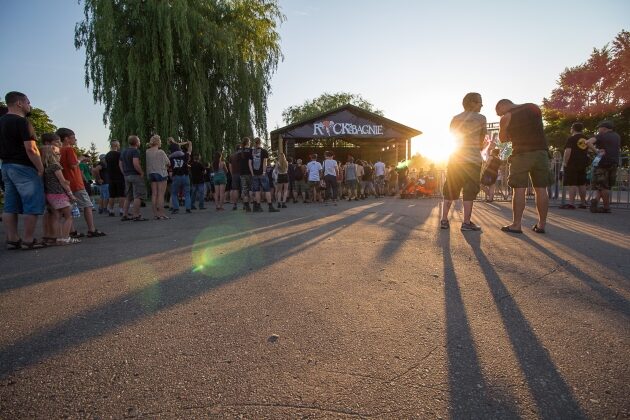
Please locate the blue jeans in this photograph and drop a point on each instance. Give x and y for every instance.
(199, 193)
(24, 190)
(180, 182)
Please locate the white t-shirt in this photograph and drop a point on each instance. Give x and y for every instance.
(379, 168)
(313, 168)
(330, 166)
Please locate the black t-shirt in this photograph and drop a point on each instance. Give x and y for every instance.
(235, 163)
(291, 171)
(196, 172)
(257, 156)
(579, 149)
(179, 163)
(14, 131)
(299, 172)
(127, 157)
(111, 159)
(525, 129)
(367, 173)
(103, 172)
(611, 143)
(243, 160)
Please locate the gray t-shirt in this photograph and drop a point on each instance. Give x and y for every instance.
(157, 162)
(469, 128)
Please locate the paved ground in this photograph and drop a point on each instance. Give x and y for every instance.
(377, 313)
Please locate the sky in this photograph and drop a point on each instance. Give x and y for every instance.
(414, 60)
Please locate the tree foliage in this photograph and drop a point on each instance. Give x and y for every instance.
(325, 102)
(593, 91)
(40, 120)
(194, 69)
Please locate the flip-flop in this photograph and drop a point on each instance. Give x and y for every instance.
(510, 230)
(536, 229)
(13, 245)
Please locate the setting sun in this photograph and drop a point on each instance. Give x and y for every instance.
(435, 147)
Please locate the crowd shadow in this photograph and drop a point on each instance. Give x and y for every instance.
(146, 301)
(551, 393)
(470, 394)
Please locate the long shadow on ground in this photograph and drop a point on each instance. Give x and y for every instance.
(164, 294)
(552, 394)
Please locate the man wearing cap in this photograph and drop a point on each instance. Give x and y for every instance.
(522, 125)
(607, 143)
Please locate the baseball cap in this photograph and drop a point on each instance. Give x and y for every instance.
(606, 124)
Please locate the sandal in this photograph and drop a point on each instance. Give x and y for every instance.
(68, 241)
(510, 230)
(13, 245)
(34, 244)
(536, 229)
(95, 233)
(76, 234)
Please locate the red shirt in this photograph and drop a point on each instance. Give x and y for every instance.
(71, 170)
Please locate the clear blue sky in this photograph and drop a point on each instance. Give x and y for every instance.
(414, 60)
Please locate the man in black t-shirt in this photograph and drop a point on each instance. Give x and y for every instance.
(574, 165)
(180, 160)
(244, 154)
(116, 179)
(22, 171)
(258, 168)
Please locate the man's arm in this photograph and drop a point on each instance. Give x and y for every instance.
(189, 147)
(565, 158)
(33, 154)
(591, 144)
(503, 125)
(264, 166)
(120, 165)
(137, 166)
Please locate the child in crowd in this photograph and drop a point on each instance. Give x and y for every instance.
(58, 194)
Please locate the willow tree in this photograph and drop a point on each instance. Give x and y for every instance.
(195, 69)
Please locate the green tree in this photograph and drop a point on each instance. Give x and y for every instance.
(593, 91)
(325, 102)
(196, 70)
(40, 120)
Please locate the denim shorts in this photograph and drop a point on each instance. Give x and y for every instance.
(154, 177)
(24, 190)
(104, 191)
(260, 181)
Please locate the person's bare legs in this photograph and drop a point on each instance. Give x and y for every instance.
(582, 191)
(161, 189)
(518, 207)
(606, 198)
(10, 222)
(89, 218)
(572, 193)
(136, 207)
(446, 207)
(66, 225)
(154, 199)
(221, 188)
(542, 206)
(468, 205)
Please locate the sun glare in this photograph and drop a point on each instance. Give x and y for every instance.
(435, 148)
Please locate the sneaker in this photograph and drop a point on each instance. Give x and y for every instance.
(234, 207)
(247, 207)
(111, 214)
(257, 208)
(470, 226)
(174, 211)
(188, 211)
(582, 206)
(284, 205)
(271, 209)
(193, 208)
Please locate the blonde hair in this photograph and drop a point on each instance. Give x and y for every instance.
(48, 155)
(283, 165)
(155, 140)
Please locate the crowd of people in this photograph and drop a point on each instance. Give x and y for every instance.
(51, 180)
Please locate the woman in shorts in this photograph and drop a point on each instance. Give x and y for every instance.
(157, 172)
(219, 180)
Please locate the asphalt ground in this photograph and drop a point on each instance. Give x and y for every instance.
(365, 309)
